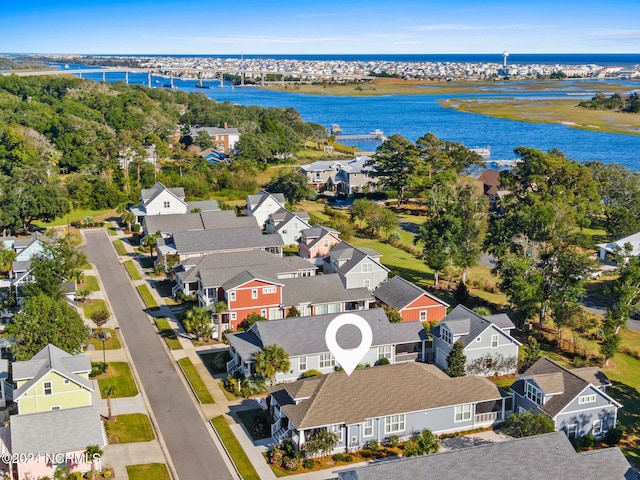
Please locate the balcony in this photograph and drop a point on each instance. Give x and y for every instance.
(407, 357)
(488, 418)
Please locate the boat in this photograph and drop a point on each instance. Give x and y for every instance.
(484, 152)
(66, 65)
(202, 86)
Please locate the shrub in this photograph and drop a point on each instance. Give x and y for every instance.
(348, 458)
(98, 368)
(309, 464)
(384, 361)
(338, 457)
(290, 464)
(613, 436)
(135, 228)
(589, 441)
(393, 441)
(275, 456)
(373, 445)
(312, 373)
(410, 449)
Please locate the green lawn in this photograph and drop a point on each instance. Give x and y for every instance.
(98, 216)
(119, 375)
(197, 384)
(228, 395)
(147, 298)
(90, 283)
(113, 343)
(240, 458)
(145, 471)
(120, 248)
(216, 362)
(93, 305)
(133, 270)
(112, 231)
(168, 333)
(133, 427)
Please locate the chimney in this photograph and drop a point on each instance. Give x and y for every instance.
(225, 125)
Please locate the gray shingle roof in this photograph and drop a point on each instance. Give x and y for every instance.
(466, 323)
(184, 222)
(254, 201)
(320, 289)
(316, 234)
(541, 457)
(148, 194)
(57, 431)
(247, 276)
(224, 239)
(305, 335)
(399, 293)
(24, 242)
(572, 384)
(501, 320)
(204, 205)
(380, 391)
(353, 256)
(48, 359)
(593, 375)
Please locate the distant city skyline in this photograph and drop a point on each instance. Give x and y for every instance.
(329, 27)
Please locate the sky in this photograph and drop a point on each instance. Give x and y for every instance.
(319, 27)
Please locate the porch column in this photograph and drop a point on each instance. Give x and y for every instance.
(301, 440)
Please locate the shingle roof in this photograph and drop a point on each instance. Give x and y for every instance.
(320, 289)
(353, 256)
(305, 335)
(204, 205)
(24, 242)
(572, 384)
(148, 194)
(593, 375)
(224, 239)
(259, 198)
(48, 359)
(58, 431)
(380, 391)
(247, 276)
(316, 234)
(501, 320)
(540, 457)
(399, 293)
(467, 324)
(184, 222)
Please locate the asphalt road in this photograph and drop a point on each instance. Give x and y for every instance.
(190, 445)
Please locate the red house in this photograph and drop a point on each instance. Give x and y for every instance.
(411, 301)
(247, 293)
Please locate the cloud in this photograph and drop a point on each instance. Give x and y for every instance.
(462, 26)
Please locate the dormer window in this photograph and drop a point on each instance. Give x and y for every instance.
(587, 399)
(534, 394)
(446, 335)
(367, 267)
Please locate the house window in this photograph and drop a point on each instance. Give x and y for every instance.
(337, 429)
(48, 388)
(233, 316)
(66, 381)
(302, 363)
(275, 314)
(423, 316)
(367, 430)
(488, 363)
(446, 335)
(394, 423)
(494, 341)
(263, 313)
(167, 204)
(254, 293)
(367, 283)
(55, 407)
(586, 399)
(385, 352)
(367, 267)
(462, 413)
(318, 176)
(478, 339)
(327, 360)
(572, 430)
(266, 290)
(534, 394)
(232, 296)
(326, 243)
(597, 428)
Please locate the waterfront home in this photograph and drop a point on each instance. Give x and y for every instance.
(288, 225)
(303, 340)
(224, 138)
(539, 457)
(619, 247)
(489, 184)
(375, 403)
(358, 267)
(575, 399)
(488, 345)
(341, 176)
(412, 302)
(263, 204)
(316, 242)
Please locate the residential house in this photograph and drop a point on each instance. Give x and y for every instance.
(316, 242)
(374, 403)
(6, 387)
(26, 249)
(619, 247)
(489, 184)
(574, 399)
(303, 339)
(263, 204)
(412, 302)
(288, 225)
(539, 457)
(358, 267)
(224, 139)
(128, 156)
(214, 156)
(160, 200)
(488, 345)
(167, 225)
(342, 176)
(55, 411)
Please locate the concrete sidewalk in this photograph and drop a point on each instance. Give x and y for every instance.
(118, 456)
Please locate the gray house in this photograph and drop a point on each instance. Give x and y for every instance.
(574, 399)
(357, 267)
(541, 457)
(288, 225)
(303, 339)
(374, 403)
(488, 345)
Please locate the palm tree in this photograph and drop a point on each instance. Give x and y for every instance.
(127, 217)
(197, 320)
(271, 360)
(109, 391)
(219, 307)
(93, 452)
(151, 241)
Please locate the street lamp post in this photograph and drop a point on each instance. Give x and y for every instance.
(104, 337)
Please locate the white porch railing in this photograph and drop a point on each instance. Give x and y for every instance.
(488, 417)
(233, 363)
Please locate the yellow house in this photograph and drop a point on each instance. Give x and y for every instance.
(52, 380)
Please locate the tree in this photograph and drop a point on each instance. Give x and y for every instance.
(293, 312)
(109, 391)
(127, 217)
(456, 361)
(45, 320)
(218, 308)
(392, 314)
(394, 162)
(322, 442)
(7, 257)
(527, 424)
(197, 320)
(292, 184)
(382, 219)
(94, 452)
(271, 360)
(472, 210)
(252, 318)
(100, 316)
(151, 241)
(423, 443)
(361, 208)
(531, 352)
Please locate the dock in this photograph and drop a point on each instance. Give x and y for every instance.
(375, 135)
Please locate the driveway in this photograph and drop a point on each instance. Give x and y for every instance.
(185, 434)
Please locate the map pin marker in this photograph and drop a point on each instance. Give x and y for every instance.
(348, 358)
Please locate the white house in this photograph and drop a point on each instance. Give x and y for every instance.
(263, 204)
(618, 247)
(288, 225)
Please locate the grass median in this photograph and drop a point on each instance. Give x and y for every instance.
(195, 380)
(133, 270)
(231, 443)
(120, 248)
(168, 333)
(112, 343)
(130, 428)
(118, 375)
(147, 298)
(145, 471)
